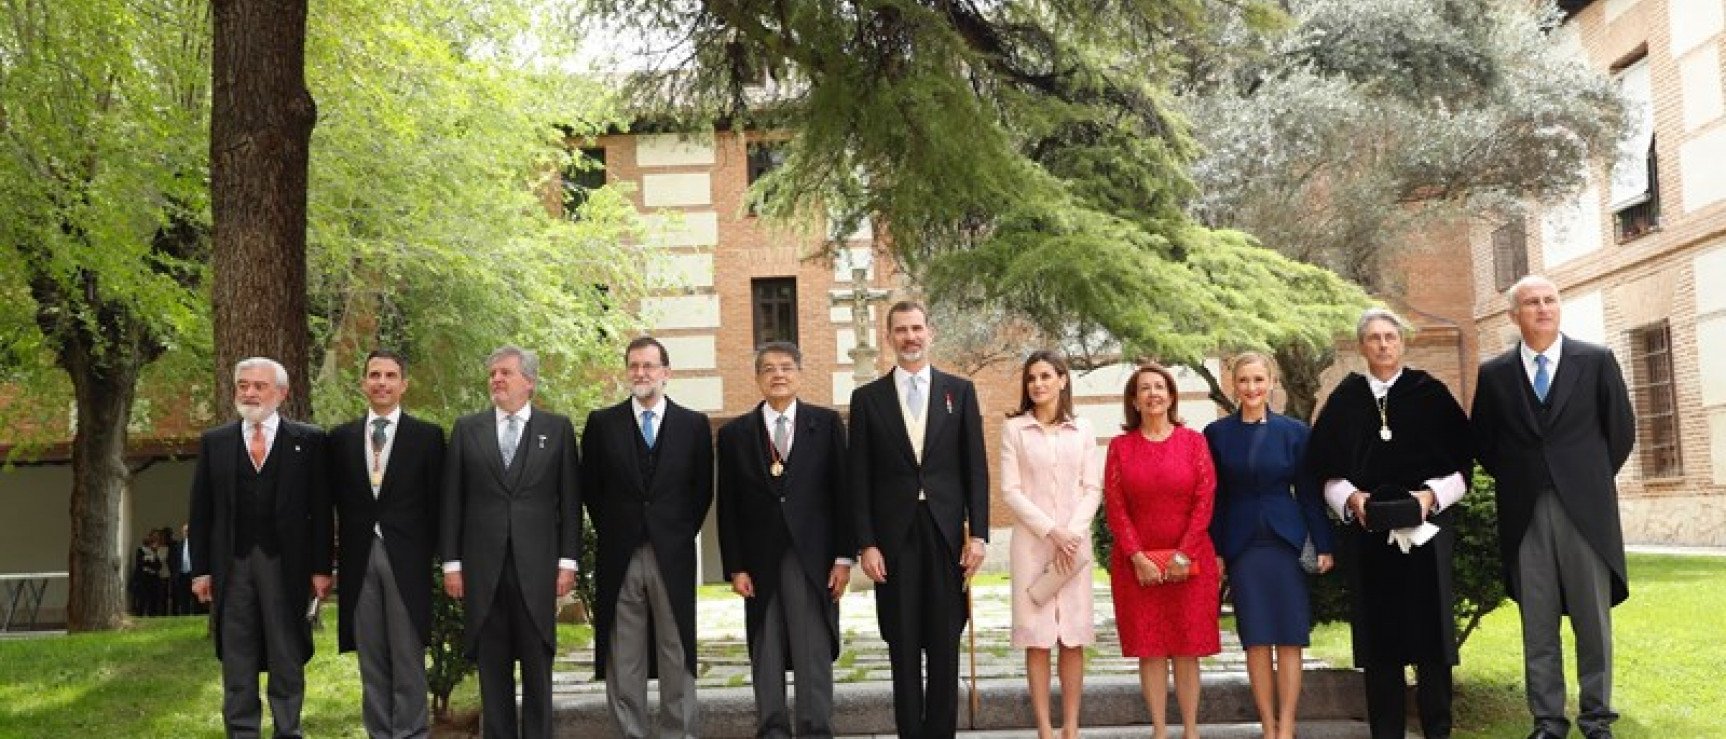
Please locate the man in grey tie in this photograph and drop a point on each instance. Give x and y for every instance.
(510, 536)
(384, 471)
(1553, 425)
(785, 537)
(647, 484)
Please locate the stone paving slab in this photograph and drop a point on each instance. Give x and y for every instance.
(1308, 730)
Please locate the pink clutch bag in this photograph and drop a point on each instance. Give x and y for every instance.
(1050, 582)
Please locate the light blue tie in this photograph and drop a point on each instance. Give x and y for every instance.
(1542, 378)
(914, 397)
(647, 434)
(511, 437)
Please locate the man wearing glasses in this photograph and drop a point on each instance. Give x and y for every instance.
(647, 484)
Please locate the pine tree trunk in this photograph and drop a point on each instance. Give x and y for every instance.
(260, 132)
(103, 387)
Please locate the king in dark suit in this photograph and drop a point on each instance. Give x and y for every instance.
(919, 476)
(649, 483)
(384, 468)
(259, 529)
(785, 537)
(1553, 425)
(510, 535)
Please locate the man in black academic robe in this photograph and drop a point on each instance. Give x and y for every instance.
(1397, 429)
(1553, 424)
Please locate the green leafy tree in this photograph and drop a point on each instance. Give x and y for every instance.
(103, 240)
(1025, 156)
(1341, 137)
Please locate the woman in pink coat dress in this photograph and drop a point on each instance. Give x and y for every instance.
(1051, 479)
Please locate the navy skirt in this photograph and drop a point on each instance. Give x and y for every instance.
(1270, 593)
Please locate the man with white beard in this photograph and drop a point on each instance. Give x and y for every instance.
(260, 533)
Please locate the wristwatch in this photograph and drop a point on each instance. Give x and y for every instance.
(1180, 559)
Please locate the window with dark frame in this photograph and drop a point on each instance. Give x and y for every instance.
(1655, 398)
(775, 300)
(764, 157)
(1510, 253)
(582, 177)
(1642, 218)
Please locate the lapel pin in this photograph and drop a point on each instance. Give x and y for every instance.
(542, 441)
(296, 447)
(949, 403)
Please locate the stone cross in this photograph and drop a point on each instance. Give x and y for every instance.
(859, 297)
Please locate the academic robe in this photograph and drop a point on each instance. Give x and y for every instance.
(1402, 602)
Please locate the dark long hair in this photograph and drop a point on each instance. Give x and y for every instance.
(1130, 394)
(1065, 406)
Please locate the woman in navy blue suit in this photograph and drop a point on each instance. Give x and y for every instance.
(1266, 508)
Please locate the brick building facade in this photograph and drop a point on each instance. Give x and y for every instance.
(1639, 255)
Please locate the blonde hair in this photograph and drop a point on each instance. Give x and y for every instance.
(1245, 358)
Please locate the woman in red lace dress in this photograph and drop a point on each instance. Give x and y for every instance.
(1158, 490)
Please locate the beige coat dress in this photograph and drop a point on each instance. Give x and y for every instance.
(1049, 477)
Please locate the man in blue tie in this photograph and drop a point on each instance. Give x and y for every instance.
(1553, 424)
(647, 484)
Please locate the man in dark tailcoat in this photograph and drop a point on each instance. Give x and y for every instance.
(1553, 425)
(649, 482)
(510, 531)
(919, 477)
(785, 537)
(385, 468)
(1397, 432)
(259, 529)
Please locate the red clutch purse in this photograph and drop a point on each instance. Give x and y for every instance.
(1165, 558)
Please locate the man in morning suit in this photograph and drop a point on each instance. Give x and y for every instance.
(919, 476)
(510, 534)
(1553, 424)
(384, 467)
(649, 482)
(785, 538)
(259, 530)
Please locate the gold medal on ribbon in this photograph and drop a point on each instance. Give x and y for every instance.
(777, 468)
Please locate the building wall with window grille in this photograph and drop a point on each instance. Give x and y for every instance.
(1647, 279)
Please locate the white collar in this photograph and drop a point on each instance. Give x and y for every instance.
(394, 416)
(270, 423)
(525, 412)
(1381, 388)
(771, 415)
(900, 375)
(658, 408)
(1552, 352)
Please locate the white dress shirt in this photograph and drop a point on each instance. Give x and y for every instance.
(772, 417)
(1552, 355)
(270, 425)
(378, 460)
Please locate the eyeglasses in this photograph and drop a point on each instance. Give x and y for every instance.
(644, 366)
(777, 369)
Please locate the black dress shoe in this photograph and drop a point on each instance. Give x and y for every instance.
(1600, 733)
(1544, 734)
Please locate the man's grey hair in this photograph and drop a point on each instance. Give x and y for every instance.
(1527, 281)
(779, 347)
(1379, 314)
(276, 367)
(529, 360)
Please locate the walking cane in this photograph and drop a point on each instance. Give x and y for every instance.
(971, 616)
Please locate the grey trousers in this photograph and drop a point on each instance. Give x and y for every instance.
(1558, 572)
(644, 600)
(392, 657)
(257, 630)
(794, 621)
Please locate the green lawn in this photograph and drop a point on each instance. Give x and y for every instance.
(161, 679)
(1667, 648)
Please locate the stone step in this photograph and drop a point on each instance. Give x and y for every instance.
(866, 708)
(1332, 729)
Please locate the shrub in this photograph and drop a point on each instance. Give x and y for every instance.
(449, 666)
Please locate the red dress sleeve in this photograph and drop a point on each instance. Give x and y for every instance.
(1204, 497)
(1120, 523)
